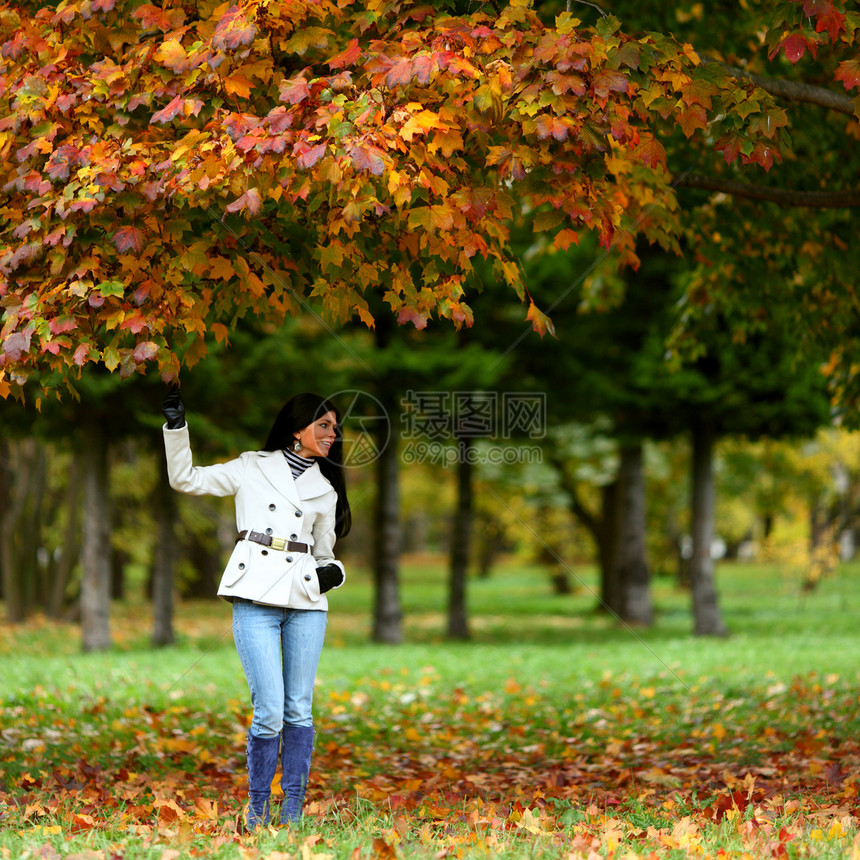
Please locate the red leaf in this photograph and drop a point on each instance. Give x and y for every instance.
(762, 154)
(233, 30)
(145, 351)
(311, 156)
(607, 81)
(85, 204)
(730, 148)
(62, 324)
(81, 355)
(168, 113)
(62, 160)
(151, 17)
(413, 315)
(423, 67)
(294, 90)
(794, 47)
(552, 126)
(250, 200)
(128, 239)
(829, 18)
(368, 158)
(849, 73)
(349, 56)
(400, 73)
(135, 324)
(17, 344)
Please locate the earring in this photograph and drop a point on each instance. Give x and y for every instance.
(297, 446)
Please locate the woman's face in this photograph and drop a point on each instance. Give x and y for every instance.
(317, 438)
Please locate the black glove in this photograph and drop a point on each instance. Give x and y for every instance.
(173, 409)
(330, 576)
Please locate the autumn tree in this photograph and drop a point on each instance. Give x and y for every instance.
(167, 171)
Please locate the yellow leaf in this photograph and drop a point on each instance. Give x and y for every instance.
(448, 140)
(421, 123)
(221, 269)
(254, 285)
(172, 54)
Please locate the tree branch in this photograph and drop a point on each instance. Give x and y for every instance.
(781, 196)
(577, 508)
(795, 91)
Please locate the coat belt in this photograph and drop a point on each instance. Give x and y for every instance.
(273, 542)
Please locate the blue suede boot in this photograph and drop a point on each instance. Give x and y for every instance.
(296, 754)
(262, 764)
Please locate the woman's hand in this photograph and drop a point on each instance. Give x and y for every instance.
(330, 576)
(173, 409)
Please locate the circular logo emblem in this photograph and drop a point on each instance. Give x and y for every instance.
(366, 426)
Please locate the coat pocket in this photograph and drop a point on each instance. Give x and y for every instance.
(310, 581)
(238, 565)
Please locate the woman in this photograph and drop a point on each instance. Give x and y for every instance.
(291, 505)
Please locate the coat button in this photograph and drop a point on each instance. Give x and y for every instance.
(307, 577)
(289, 558)
(271, 507)
(294, 536)
(264, 552)
(268, 531)
(298, 513)
(241, 567)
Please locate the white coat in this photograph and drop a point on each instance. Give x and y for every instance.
(271, 501)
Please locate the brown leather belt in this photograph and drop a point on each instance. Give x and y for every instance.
(273, 542)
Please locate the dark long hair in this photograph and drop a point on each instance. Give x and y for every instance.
(296, 414)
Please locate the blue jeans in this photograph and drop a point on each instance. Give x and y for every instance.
(279, 650)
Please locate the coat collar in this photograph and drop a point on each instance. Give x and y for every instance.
(310, 484)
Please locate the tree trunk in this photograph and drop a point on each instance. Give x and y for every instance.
(630, 566)
(489, 537)
(458, 619)
(607, 546)
(71, 547)
(19, 519)
(164, 562)
(207, 565)
(601, 527)
(33, 569)
(387, 615)
(95, 548)
(706, 610)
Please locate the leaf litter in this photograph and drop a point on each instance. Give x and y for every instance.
(404, 767)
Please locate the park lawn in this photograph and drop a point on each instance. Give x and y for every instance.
(556, 732)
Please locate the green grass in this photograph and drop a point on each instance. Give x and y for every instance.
(555, 732)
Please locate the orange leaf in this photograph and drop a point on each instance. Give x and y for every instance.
(541, 323)
(238, 85)
(650, 151)
(565, 238)
(128, 239)
(349, 56)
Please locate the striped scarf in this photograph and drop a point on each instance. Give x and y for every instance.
(297, 464)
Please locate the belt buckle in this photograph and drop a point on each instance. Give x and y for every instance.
(279, 543)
